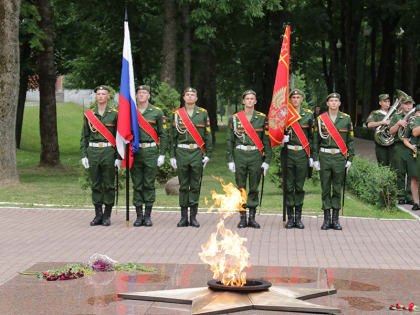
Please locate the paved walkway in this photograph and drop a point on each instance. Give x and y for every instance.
(40, 235)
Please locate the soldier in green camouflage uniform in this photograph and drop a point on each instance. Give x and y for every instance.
(402, 158)
(330, 160)
(148, 158)
(188, 158)
(375, 119)
(100, 157)
(410, 141)
(243, 157)
(298, 162)
(415, 127)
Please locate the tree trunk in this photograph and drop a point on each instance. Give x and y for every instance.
(387, 52)
(23, 87)
(372, 101)
(408, 64)
(207, 86)
(168, 70)
(50, 155)
(351, 20)
(187, 46)
(9, 88)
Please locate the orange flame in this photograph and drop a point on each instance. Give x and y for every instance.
(224, 251)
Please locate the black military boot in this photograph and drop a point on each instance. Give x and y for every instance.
(327, 220)
(139, 220)
(106, 220)
(290, 224)
(298, 217)
(251, 220)
(97, 220)
(242, 223)
(184, 217)
(193, 214)
(335, 224)
(147, 216)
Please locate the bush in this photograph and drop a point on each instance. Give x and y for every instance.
(276, 174)
(364, 133)
(167, 99)
(373, 183)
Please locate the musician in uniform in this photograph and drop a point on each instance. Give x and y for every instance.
(402, 158)
(248, 153)
(191, 146)
(153, 143)
(415, 127)
(333, 155)
(97, 148)
(410, 141)
(298, 142)
(375, 119)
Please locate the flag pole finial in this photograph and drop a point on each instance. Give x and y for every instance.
(125, 14)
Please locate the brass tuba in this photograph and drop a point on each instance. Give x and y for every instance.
(382, 135)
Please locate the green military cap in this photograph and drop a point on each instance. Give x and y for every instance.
(407, 99)
(101, 87)
(417, 107)
(334, 94)
(295, 92)
(143, 87)
(248, 92)
(383, 97)
(190, 89)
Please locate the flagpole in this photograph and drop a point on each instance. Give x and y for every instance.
(127, 159)
(127, 185)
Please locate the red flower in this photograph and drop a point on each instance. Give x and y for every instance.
(46, 273)
(398, 306)
(411, 307)
(392, 307)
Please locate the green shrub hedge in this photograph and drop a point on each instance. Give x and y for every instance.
(373, 183)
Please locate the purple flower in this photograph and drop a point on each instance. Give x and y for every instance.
(100, 265)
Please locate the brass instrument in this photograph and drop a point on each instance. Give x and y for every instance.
(410, 117)
(382, 135)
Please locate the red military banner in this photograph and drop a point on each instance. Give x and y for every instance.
(278, 114)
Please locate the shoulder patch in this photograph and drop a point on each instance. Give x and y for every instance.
(346, 115)
(260, 114)
(114, 109)
(202, 109)
(155, 107)
(235, 115)
(318, 118)
(377, 112)
(308, 110)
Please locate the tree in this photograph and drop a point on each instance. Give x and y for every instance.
(30, 36)
(168, 70)
(50, 154)
(9, 87)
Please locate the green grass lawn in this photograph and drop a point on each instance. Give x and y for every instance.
(61, 186)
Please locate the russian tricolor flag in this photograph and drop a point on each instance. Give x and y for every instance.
(127, 127)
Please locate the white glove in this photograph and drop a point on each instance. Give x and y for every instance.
(85, 162)
(117, 164)
(348, 164)
(311, 162)
(205, 161)
(265, 167)
(161, 160)
(285, 139)
(231, 166)
(173, 162)
(317, 166)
